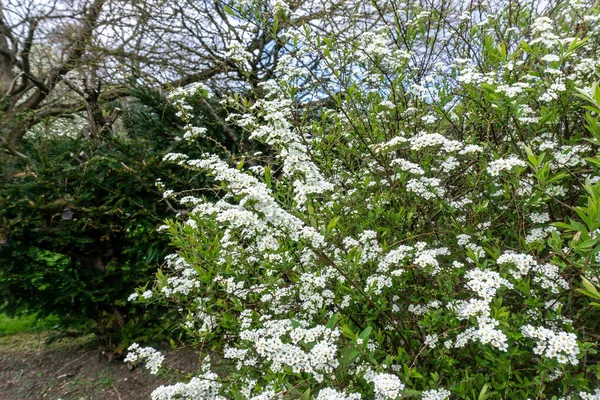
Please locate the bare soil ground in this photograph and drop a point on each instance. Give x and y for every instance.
(73, 370)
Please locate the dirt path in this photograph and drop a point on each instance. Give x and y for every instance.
(30, 369)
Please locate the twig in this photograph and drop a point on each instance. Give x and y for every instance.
(116, 391)
(69, 363)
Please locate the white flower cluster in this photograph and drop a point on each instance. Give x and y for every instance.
(180, 96)
(194, 132)
(265, 214)
(465, 309)
(449, 164)
(485, 282)
(527, 115)
(420, 309)
(561, 346)
(465, 241)
(370, 249)
(431, 341)
(277, 132)
(538, 234)
(332, 394)
(206, 387)
(314, 292)
(523, 262)
(514, 89)
(376, 45)
(504, 164)
(387, 104)
(428, 257)
(568, 156)
(376, 283)
(469, 74)
(386, 386)
(546, 275)
(237, 52)
(590, 396)
(539, 218)
(423, 140)
(542, 28)
(552, 92)
(375, 48)
(550, 58)
(435, 394)
(428, 188)
(279, 343)
(196, 88)
(184, 279)
(151, 357)
(418, 255)
(392, 144)
(485, 333)
(407, 166)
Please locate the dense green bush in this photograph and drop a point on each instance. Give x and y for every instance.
(79, 219)
(429, 227)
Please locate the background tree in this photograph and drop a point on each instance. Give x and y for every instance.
(30, 73)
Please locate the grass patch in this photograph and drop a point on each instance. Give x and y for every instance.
(24, 324)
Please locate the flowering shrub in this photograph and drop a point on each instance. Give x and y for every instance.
(152, 358)
(424, 224)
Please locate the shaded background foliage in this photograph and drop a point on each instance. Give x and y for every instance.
(81, 219)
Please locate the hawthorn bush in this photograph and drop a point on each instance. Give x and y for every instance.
(429, 224)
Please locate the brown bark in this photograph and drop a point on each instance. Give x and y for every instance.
(21, 101)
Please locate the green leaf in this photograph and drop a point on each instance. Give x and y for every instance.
(576, 44)
(587, 244)
(331, 225)
(483, 395)
(558, 177)
(502, 50)
(364, 335)
(228, 10)
(295, 324)
(593, 160)
(305, 395)
(587, 293)
(268, 175)
(346, 330)
(531, 157)
(526, 47)
(333, 320)
(236, 394)
(411, 393)
(589, 286)
(563, 225)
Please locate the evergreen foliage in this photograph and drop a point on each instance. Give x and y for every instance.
(80, 220)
